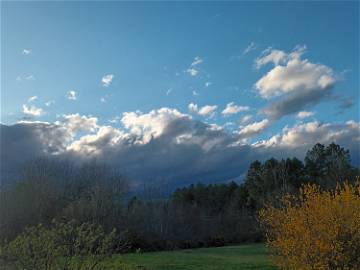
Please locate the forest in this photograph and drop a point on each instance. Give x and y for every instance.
(53, 195)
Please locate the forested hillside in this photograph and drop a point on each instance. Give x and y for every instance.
(194, 216)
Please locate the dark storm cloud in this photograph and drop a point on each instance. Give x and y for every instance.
(295, 102)
(173, 147)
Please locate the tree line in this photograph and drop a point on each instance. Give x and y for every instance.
(195, 216)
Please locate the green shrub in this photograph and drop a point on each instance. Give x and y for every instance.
(65, 245)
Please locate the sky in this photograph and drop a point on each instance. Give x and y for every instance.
(196, 90)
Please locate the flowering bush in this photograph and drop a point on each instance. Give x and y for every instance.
(315, 229)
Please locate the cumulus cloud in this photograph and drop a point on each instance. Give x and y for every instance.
(166, 144)
(270, 56)
(32, 111)
(304, 114)
(305, 135)
(76, 122)
(95, 144)
(25, 141)
(295, 83)
(154, 121)
(56, 137)
(207, 84)
(31, 99)
(254, 128)
(297, 140)
(232, 108)
(207, 110)
(150, 125)
(193, 108)
(295, 75)
(71, 95)
(107, 80)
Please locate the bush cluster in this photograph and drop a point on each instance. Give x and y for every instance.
(316, 229)
(63, 245)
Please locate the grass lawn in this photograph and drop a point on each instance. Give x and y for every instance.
(252, 256)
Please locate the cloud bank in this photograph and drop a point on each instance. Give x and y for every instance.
(165, 144)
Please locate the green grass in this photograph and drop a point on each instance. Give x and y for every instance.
(253, 256)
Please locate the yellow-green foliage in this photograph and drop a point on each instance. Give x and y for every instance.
(62, 246)
(316, 229)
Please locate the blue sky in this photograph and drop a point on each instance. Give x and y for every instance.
(151, 48)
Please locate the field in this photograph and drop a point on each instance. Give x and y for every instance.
(253, 256)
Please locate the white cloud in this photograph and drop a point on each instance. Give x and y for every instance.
(306, 135)
(102, 100)
(294, 84)
(207, 84)
(56, 138)
(245, 119)
(254, 128)
(195, 93)
(32, 98)
(197, 61)
(192, 71)
(295, 75)
(207, 110)
(168, 145)
(164, 125)
(249, 48)
(304, 114)
(107, 80)
(76, 122)
(94, 144)
(26, 51)
(193, 108)
(152, 124)
(71, 95)
(232, 108)
(49, 103)
(32, 111)
(270, 56)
